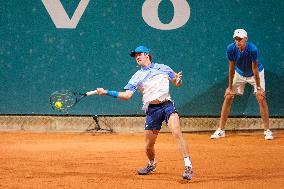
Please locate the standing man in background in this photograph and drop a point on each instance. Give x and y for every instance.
(244, 67)
(153, 81)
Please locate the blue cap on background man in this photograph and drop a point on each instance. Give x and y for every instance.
(140, 49)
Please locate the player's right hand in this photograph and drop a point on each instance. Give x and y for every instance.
(230, 92)
(101, 91)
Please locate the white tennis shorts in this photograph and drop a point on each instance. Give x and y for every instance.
(239, 82)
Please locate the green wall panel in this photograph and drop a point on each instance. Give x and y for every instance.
(37, 58)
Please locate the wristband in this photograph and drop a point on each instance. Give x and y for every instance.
(112, 93)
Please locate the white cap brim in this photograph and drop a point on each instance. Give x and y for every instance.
(241, 33)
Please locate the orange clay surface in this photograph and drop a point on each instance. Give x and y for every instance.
(75, 160)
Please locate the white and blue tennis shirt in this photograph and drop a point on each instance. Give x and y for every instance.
(153, 82)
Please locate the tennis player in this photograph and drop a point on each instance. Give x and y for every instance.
(153, 82)
(244, 67)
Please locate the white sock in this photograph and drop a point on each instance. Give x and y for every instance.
(187, 162)
(152, 162)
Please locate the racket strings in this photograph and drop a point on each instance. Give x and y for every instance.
(66, 99)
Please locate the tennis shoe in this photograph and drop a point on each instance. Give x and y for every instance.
(219, 133)
(150, 168)
(268, 135)
(187, 173)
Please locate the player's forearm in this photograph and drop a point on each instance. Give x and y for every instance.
(231, 78)
(257, 80)
(125, 95)
(102, 92)
(121, 95)
(256, 74)
(231, 74)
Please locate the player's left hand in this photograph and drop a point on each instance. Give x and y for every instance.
(178, 78)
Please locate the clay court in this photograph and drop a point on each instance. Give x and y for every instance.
(91, 160)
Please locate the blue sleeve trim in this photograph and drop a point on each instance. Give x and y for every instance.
(171, 75)
(229, 52)
(130, 87)
(165, 69)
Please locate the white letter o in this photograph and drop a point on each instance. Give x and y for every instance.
(151, 16)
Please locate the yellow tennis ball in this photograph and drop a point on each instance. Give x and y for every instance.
(58, 104)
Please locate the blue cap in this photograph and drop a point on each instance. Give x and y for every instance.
(140, 49)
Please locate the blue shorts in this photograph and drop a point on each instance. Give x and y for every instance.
(157, 113)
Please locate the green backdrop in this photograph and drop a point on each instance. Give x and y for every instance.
(37, 57)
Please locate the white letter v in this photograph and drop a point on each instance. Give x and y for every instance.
(59, 16)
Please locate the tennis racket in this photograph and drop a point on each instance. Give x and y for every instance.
(64, 100)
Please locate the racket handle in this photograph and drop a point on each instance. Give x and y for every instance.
(91, 93)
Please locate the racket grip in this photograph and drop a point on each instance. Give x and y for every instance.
(91, 93)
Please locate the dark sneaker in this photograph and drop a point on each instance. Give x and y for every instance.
(150, 168)
(187, 173)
